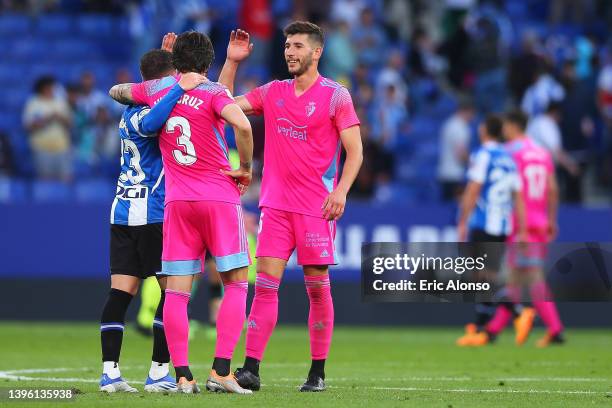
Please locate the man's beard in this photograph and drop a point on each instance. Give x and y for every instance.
(303, 66)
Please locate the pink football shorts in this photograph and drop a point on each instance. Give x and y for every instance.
(193, 227)
(280, 232)
(532, 253)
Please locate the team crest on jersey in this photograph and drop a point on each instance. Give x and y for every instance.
(310, 108)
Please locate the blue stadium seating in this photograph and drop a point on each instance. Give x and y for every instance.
(95, 190)
(55, 25)
(51, 191)
(14, 24)
(13, 190)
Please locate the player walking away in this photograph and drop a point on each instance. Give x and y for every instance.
(492, 193)
(540, 194)
(308, 119)
(203, 211)
(136, 226)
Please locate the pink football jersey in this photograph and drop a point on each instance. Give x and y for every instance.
(192, 142)
(302, 144)
(535, 167)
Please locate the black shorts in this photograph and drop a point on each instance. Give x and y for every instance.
(492, 245)
(136, 250)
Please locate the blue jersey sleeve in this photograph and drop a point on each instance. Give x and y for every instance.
(147, 122)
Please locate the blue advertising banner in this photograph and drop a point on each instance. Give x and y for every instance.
(60, 240)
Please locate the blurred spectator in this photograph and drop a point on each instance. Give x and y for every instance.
(524, 66)
(48, 121)
(349, 11)
(424, 62)
(577, 127)
(584, 57)
(340, 58)
(454, 147)
(398, 20)
(79, 118)
(544, 130)
(256, 19)
(191, 15)
(544, 90)
(485, 58)
(7, 161)
(99, 143)
(369, 39)
(604, 99)
(391, 115)
(393, 75)
(91, 98)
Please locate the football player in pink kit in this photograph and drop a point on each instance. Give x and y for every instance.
(308, 119)
(540, 195)
(202, 211)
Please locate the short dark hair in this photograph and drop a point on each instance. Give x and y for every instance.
(493, 126)
(518, 118)
(192, 52)
(155, 64)
(43, 82)
(313, 31)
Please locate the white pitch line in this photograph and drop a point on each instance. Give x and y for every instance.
(3, 375)
(460, 379)
(18, 374)
(457, 390)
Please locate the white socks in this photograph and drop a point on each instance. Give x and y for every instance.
(158, 370)
(111, 369)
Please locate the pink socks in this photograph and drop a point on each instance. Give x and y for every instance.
(263, 316)
(321, 316)
(231, 318)
(176, 326)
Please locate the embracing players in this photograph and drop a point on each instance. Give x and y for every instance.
(307, 121)
(136, 220)
(203, 211)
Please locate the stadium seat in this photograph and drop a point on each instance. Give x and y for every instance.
(13, 190)
(75, 49)
(55, 25)
(51, 191)
(95, 190)
(14, 24)
(96, 25)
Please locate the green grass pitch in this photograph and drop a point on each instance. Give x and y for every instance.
(371, 366)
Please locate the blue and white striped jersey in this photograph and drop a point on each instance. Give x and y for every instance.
(139, 199)
(494, 168)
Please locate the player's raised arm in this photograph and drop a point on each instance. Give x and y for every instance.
(238, 49)
(152, 121)
(244, 143)
(333, 206)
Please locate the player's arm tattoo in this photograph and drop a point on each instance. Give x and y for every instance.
(246, 165)
(122, 93)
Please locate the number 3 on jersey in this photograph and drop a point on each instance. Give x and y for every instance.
(188, 157)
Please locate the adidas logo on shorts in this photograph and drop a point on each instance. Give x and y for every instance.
(324, 254)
